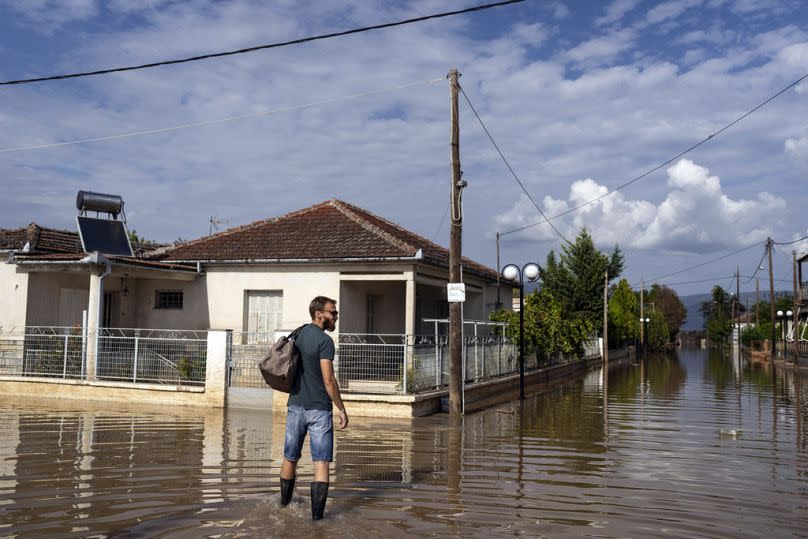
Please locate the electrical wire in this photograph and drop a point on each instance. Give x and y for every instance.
(220, 120)
(672, 159)
(791, 242)
(712, 280)
(757, 268)
(496, 146)
(702, 264)
(261, 47)
(442, 220)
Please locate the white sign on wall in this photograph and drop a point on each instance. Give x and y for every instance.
(456, 292)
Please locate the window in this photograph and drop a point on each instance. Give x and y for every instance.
(168, 299)
(72, 301)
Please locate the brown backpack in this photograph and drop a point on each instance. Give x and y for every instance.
(279, 366)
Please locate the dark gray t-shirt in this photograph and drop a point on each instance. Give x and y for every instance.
(309, 389)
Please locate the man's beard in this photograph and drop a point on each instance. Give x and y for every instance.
(330, 325)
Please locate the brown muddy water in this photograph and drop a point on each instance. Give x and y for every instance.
(683, 445)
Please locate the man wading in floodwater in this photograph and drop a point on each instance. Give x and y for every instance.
(310, 405)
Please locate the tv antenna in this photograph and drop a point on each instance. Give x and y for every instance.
(215, 222)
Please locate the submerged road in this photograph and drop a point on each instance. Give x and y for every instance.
(688, 444)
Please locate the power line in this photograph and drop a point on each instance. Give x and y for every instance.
(261, 47)
(674, 158)
(757, 268)
(510, 168)
(714, 279)
(220, 120)
(442, 220)
(702, 264)
(791, 242)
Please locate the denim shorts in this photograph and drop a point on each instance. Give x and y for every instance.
(320, 426)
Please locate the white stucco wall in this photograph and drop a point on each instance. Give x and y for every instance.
(139, 305)
(43, 294)
(226, 286)
(13, 296)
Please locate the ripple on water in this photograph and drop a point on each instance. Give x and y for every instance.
(652, 459)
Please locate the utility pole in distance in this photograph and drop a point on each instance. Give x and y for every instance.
(642, 312)
(605, 318)
(769, 247)
(738, 299)
(455, 235)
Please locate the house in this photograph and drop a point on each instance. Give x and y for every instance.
(801, 301)
(253, 279)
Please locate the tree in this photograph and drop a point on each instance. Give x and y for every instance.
(547, 330)
(624, 325)
(665, 299)
(717, 315)
(575, 278)
(658, 332)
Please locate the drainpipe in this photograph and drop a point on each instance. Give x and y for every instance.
(95, 311)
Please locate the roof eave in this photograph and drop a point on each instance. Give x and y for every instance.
(418, 256)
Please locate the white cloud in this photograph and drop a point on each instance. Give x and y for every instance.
(603, 47)
(561, 105)
(560, 10)
(670, 10)
(616, 11)
(801, 246)
(797, 150)
(46, 15)
(696, 216)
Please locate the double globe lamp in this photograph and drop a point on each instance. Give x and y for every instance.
(783, 322)
(512, 272)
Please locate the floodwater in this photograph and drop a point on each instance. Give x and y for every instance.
(684, 445)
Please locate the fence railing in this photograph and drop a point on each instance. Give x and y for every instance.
(173, 357)
(395, 363)
(55, 352)
(246, 350)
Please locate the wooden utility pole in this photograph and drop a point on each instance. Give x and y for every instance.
(769, 248)
(605, 318)
(757, 301)
(642, 314)
(455, 235)
(499, 270)
(795, 305)
(738, 299)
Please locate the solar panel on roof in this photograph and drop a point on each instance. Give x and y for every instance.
(103, 235)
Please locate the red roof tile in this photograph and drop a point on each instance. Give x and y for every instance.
(40, 239)
(330, 230)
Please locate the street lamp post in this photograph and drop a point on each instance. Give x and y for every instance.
(512, 272)
(783, 318)
(644, 322)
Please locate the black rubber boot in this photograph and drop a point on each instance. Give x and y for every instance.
(287, 488)
(319, 493)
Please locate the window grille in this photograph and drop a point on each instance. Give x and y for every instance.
(168, 299)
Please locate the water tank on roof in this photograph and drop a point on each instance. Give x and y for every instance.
(99, 202)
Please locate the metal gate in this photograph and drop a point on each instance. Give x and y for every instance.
(246, 387)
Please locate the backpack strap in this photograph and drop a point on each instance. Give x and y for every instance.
(295, 333)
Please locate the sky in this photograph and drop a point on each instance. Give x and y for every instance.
(580, 96)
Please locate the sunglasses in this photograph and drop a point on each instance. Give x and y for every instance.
(333, 313)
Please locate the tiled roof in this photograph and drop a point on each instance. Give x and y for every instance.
(330, 230)
(68, 258)
(40, 239)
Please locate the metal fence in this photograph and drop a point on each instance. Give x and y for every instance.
(396, 364)
(56, 352)
(246, 350)
(159, 356)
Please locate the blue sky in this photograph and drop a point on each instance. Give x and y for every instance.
(580, 96)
